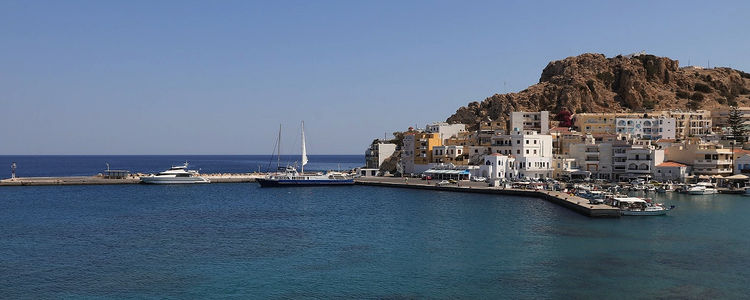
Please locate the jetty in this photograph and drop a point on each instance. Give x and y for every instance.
(131, 179)
(575, 203)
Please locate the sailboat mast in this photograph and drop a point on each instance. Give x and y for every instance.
(278, 155)
(304, 151)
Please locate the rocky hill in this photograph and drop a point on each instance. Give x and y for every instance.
(595, 83)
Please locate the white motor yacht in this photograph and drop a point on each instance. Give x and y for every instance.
(175, 175)
(702, 188)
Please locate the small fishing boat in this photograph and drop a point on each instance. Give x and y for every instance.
(634, 206)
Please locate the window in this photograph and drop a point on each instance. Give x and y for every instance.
(527, 151)
(534, 142)
(527, 142)
(518, 151)
(534, 151)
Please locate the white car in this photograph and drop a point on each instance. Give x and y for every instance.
(442, 183)
(478, 179)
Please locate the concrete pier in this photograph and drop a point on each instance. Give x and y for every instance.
(575, 203)
(133, 179)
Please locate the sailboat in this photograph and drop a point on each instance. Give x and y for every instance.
(290, 176)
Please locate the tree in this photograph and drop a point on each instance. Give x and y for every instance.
(735, 124)
(564, 117)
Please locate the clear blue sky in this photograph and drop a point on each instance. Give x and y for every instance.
(217, 77)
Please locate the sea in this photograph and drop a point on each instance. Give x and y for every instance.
(242, 241)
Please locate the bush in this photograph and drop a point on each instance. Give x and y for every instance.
(693, 105)
(682, 94)
(744, 75)
(721, 101)
(700, 87)
(698, 96)
(606, 77)
(648, 104)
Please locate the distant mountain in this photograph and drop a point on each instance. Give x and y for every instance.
(594, 83)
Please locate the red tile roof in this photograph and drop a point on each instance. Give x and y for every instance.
(671, 164)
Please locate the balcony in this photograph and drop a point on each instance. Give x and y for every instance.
(712, 162)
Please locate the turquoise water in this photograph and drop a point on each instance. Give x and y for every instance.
(237, 240)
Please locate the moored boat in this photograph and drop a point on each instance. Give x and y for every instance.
(702, 188)
(290, 177)
(175, 175)
(634, 206)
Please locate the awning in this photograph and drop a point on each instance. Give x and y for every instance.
(448, 172)
(737, 177)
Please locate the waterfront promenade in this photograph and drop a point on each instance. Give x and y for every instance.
(572, 202)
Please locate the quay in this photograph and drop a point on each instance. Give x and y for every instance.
(575, 203)
(132, 179)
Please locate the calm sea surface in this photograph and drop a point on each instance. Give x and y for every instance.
(238, 240)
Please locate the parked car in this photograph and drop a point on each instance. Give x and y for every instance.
(452, 181)
(478, 179)
(442, 183)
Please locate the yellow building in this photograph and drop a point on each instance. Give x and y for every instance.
(598, 123)
(705, 158)
(720, 117)
(423, 144)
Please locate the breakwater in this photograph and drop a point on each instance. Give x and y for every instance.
(99, 180)
(575, 203)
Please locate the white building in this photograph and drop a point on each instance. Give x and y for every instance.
(532, 152)
(671, 171)
(445, 130)
(497, 167)
(642, 158)
(537, 121)
(378, 153)
(647, 128)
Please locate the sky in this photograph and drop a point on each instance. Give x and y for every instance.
(219, 77)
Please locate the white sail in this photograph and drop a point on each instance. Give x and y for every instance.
(304, 150)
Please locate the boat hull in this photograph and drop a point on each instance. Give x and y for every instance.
(174, 180)
(644, 213)
(264, 182)
(702, 192)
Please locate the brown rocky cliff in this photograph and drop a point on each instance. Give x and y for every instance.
(595, 83)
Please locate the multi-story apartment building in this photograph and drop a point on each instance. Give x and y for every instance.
(417, 151)
(450, 154)
(641, 159)
(600, 123)
(690, 123)
(616, 158)
(562, 138)
(532, 152)
(646, 128)
(536, 121)
(378, 153)
(703, 158)
(720, 117)
(445, 130)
